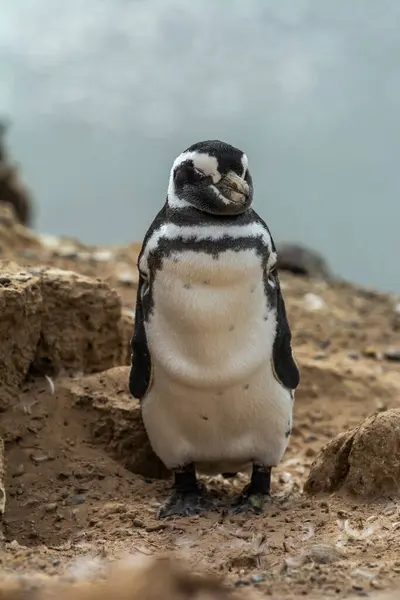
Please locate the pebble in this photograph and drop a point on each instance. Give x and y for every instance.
(257, 578)
(18, 471)
(242, 582)
(313, 302)
(392, 354)
(40, 457)
(50, 507)
(102, 255)
(78, 499)
(127, 277)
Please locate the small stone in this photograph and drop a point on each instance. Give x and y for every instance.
(257, 578)
(18, 471)
(50, 507)
(242, 583)
(102, 255)
(40, 457)
(392, 354)
(313, 302)
(127, 277)
(78, 499)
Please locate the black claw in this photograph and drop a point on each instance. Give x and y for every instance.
(189, 496)
(250, 503)
(256, 495)
(185, 505)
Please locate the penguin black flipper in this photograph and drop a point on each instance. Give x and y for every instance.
(284, 365)
(141, 369)
(140, 375)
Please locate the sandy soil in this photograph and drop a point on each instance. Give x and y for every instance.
(70, 496)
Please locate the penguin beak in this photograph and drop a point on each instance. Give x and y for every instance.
(233, 187)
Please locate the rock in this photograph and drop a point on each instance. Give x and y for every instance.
(14, 237)
(313, 302)
(363, 462)
(56, 321)
(116, 420)
(392, 354)
(2, 477)
(299, 260)
(12, 192)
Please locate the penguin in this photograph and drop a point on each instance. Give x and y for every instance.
(212, 361)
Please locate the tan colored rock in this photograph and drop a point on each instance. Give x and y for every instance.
(14, 237)
(55, 321)
(2, 477)
(364, 461)
(116, 420)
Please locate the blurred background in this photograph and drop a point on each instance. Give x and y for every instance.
(103, 94)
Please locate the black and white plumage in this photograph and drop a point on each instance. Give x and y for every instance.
(211, 351)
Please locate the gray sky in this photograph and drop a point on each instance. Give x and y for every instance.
(105, 93)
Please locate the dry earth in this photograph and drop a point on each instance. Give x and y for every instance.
(82, 484)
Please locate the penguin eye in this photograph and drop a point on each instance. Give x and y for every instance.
(199, 172)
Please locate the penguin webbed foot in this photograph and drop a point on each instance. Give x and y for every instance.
(255, 496)
(188, 497)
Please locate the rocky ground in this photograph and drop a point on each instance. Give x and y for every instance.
(81, 484)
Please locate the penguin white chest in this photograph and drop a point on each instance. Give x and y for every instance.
(211, 324)
(214, 399)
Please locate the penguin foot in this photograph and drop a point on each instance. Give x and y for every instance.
(249, 502)
(256, 495)
(189, 496)
(190, 504)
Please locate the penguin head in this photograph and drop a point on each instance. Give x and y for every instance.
(213, 177)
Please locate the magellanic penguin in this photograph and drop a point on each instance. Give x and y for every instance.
(212, 360)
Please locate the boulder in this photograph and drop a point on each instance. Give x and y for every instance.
(299, 260)
(13, 193)
(115, 420)
(364, 462)
(55, 321)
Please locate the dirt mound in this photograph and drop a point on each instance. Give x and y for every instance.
(82, 480)
(364, 461)
(117, 421)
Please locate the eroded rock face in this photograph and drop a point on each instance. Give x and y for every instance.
(55, 321)
(117, 422)
(364, 461)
